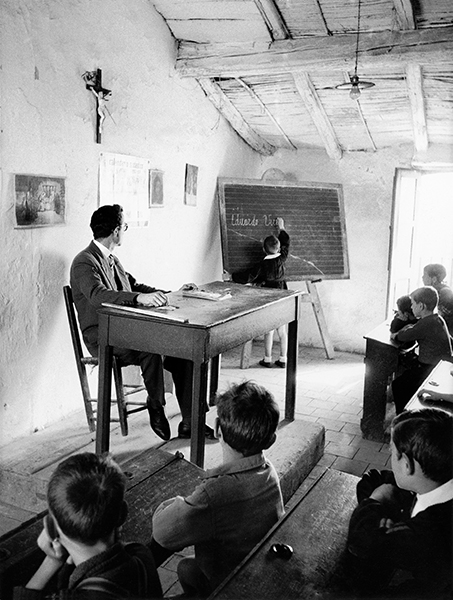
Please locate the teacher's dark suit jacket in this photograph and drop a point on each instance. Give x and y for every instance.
(93, 282)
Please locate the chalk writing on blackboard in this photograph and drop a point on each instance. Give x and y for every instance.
(314, 218)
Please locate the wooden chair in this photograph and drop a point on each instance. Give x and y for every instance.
(123, 391)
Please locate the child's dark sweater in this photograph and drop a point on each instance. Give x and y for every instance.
(270, 272)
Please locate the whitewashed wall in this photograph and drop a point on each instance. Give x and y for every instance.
(48, 129)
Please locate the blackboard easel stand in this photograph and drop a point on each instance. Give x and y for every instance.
(311, 296)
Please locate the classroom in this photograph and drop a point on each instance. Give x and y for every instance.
(159, 106)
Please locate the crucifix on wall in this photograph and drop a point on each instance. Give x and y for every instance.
(93, 81)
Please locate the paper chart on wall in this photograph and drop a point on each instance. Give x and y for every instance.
(124, 180)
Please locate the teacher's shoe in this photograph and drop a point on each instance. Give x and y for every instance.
(185, 431)
(159, 423)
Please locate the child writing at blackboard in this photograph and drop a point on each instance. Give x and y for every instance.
(270, 273)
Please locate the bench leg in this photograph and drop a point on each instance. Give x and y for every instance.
(246, 353)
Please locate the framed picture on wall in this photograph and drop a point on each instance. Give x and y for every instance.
(40, 201)
(190, 188)
(156, 188)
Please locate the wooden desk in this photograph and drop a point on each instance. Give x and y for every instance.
(316, 528)
(153, 476)
(212, 328)
(438, 384)
(381, 361)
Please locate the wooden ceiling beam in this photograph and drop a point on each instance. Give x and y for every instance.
(381, 50)
(414, 84)
(273, 19)
(234, 118)
(318, 114)
(404, 14)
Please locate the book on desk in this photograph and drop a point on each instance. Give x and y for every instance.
(205, 295)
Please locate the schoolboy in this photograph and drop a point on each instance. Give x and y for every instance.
(434, 344)
(86, 505)
(434, 274)
(404, 517)
(270, 273)
(404, 315)
(236, 504)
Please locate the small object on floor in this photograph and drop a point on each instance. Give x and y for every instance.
(264, 363)
(184, 432)
(159, 423)
(280, 363)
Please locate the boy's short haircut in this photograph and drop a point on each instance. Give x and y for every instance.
(271, 244)
(436, 270)
(426, 435)
(404, 304)
(86, 496)
(248, 416)
(105, 220)
(428, 295)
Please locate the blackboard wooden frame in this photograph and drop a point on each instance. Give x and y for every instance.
(314, 218)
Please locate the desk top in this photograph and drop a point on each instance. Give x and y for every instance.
(198, 312)
(381, 334)
(436, 391)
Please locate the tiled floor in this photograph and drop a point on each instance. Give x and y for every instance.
(328, 392)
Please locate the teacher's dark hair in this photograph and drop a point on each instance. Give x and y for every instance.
(105, 220)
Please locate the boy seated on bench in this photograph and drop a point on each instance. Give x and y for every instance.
(80, 538)
(404, 518)
(236, 504)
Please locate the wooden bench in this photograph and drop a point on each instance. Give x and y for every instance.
(153, 476)
(316, 528)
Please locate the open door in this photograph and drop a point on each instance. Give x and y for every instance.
(421, 230)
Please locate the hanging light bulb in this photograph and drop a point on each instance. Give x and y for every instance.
(355, 85)
(354, 94)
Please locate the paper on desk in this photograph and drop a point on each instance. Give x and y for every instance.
(143, 310)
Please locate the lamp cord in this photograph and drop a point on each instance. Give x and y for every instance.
(357, 40)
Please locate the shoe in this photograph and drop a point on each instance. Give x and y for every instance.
(280, 363)
(185, 431)
(159, 423)
(263, 363)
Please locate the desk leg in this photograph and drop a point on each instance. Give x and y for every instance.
(291, 367)
(214, 382)
(199, 394)
(104, 399)
(380, 363)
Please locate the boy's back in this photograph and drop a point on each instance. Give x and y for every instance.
(225, 517)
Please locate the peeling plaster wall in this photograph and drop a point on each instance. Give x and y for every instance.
(353, 306)
(48, 127)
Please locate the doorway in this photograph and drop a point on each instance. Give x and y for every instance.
(421, 230)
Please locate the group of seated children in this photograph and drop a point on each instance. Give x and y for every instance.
(422, 322)
(399, 541)
(224, 518)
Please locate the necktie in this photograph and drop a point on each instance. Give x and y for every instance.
(112, 263)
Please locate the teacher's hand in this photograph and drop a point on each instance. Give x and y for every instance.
(153, 299)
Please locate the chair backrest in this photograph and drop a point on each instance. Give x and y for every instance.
(72, 319)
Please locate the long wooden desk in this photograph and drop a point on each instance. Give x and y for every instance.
(316, 528)
(152, 476)
(211, 328)
(437, 386)
(381, 361)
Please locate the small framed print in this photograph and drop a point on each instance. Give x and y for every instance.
(39, 201)
(190, 188)
(156, 188)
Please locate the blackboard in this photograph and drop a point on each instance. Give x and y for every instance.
(314, 218)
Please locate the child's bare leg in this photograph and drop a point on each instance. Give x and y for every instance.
(268, 340)
(283, 335)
